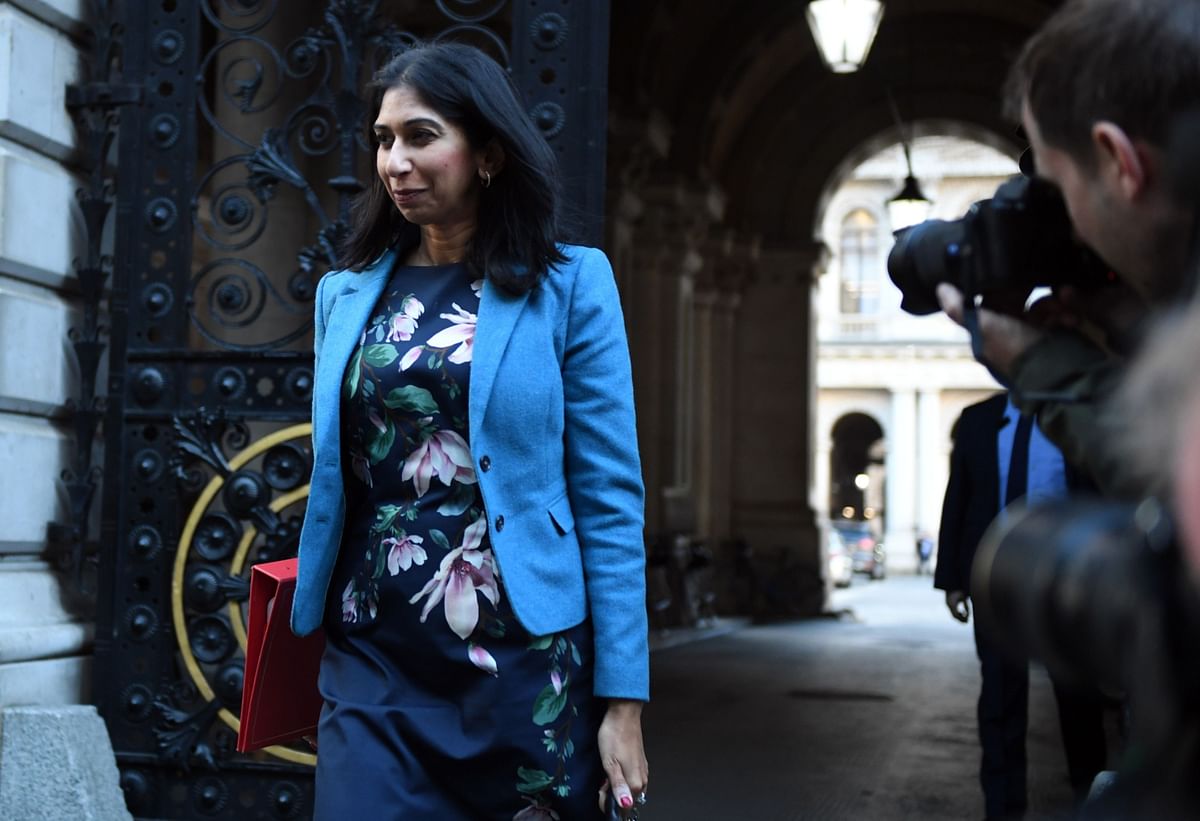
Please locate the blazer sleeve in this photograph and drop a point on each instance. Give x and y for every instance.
(318, 341)
(604, 478)
(947, 576)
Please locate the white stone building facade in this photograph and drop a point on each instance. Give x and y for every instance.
(911, 375)
(44, 648)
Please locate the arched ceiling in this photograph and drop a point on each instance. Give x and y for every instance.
(752, 107)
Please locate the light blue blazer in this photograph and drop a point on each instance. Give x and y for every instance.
(552, 434)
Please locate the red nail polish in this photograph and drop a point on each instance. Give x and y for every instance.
(626, 801)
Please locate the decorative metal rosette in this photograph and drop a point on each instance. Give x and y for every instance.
(250, 511)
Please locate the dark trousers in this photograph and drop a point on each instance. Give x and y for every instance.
(1081, 719)
(1003, 717)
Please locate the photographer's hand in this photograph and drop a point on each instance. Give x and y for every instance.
(956, 601)
(1004, 337)
(1109, 316)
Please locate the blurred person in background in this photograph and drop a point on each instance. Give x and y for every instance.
(999, 458)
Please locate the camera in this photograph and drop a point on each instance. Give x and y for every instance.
(1018, 240)
(1099, 593)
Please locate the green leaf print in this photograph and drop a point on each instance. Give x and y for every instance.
(412, 399)
(378, 356)
(549, 705)
(541, 642)
(533, 781)
(382, 443)
(461, 498)
(385, 515)
(380, 562)
(353, 373)
(440, 539)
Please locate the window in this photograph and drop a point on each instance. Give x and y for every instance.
(860, 263)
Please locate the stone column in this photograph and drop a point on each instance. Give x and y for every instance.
(931, 463)
(661, 323)
(716, 304)
(902, 482)
(55, 757)
(819, 497)
(774, 409)
(45, 648)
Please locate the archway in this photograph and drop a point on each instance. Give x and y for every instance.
(856, 469)
(911, 373)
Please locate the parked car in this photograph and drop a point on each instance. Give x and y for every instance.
(867, 555)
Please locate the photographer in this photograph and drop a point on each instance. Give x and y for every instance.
(1097, 89)
(1097, 589)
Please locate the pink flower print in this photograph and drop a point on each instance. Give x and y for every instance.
(461, 333)
(349, 604)
(556, 682)
(465, 570)
(404, 553)
(445, 455)
(482, 659)
(536, 812)
(410, 358)
(477, 287)
(402, 324)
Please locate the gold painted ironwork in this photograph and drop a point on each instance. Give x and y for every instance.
(237, 564)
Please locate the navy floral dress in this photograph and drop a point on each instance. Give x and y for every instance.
(439, 705)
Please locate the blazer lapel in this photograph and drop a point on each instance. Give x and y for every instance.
(498, 312)
(346, 322)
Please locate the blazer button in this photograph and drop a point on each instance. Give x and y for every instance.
(499, 523)
(485, 463)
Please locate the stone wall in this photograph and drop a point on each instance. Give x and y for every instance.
(44, 649)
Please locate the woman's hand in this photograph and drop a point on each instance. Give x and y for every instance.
(621, 752)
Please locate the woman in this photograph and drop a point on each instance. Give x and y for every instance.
(473, 541)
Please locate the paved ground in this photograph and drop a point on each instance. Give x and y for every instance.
(863, 717)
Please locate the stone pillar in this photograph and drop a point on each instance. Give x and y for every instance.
(774, 408)
(819, 498)
(55, 757)
(931, 462)
(902, 482)
(716, 304)
(45, 649)
(665, 250)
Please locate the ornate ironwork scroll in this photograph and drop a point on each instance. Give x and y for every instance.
(94, 105)
(236, 172)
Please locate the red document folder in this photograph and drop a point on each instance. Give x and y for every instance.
(280, 701)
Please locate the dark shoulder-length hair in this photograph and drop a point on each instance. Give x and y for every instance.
(516, 237)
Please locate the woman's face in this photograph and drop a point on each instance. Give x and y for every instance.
(425, 162)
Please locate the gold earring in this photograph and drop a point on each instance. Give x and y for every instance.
(487, 178)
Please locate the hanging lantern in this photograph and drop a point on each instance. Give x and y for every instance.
(844, 31)
(910, 206)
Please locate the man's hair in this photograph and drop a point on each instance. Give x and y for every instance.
(1132, 62)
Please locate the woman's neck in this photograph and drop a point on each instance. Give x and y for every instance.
(443, 244)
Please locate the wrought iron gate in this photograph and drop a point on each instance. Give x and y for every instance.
(240, 146)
